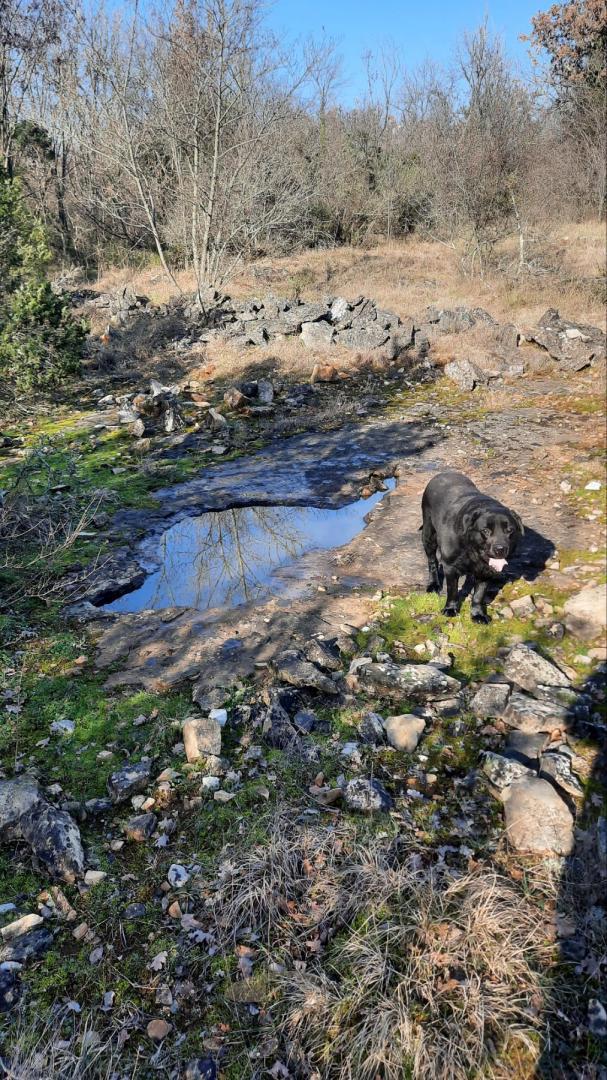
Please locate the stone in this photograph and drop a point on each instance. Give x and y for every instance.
(278, 730)
(465, 374)
(129, 780)
(21, 926)
(531, 716)
(201, 736)
(312, 312)
(368, 796)
(65, 726)
(141, 827)
(350, 752)
(10, 989)
(371, 729)
(503, 771)
(321, 654)
(586, 612)
(177, 876)
(363, 338)
(526, 747)
(404, 732)
(523, 606)
(507, 335)
(265, 391)
(490, 700)
(528, 669)
(573, 345)
(94, 877)
(387, 319)
(52, 834)
(556, 767)
(339, 309)
(26, 947)
(134, 911)
(158, 1030)
(236, 400)
(317, 335)
(210, 783)
(538, 821)
(220, 715)
(286, 696)
(305, 721)
(416, 681)
(18, 798)
(403, 336)
(292, 667)
(201, 1069)
(597, 1019)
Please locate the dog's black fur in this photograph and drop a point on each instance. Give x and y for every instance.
(462, 530)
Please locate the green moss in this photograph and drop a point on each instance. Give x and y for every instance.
(418, 617)
(15, 881)
(52, 692)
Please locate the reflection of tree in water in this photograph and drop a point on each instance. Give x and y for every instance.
(227, 557)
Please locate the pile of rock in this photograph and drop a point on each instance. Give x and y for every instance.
(121, 304)
(147, 414)
(355, 324)
(533, 776)
(573, 345)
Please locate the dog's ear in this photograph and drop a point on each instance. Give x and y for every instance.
(469, 519)
(518, 521)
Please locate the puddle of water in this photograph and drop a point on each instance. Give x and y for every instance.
(231, 557)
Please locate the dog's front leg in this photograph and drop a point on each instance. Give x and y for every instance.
(452, 579)
(479, 612)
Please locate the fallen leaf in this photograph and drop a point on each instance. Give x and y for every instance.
(158, 961)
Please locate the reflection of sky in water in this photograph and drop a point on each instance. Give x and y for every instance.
(230, 557)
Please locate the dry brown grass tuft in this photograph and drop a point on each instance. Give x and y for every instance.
(422, 972)
(435, 976)
(38, 1050)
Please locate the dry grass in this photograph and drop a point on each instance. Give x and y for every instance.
(221, 361)
(420, 971)
(38, 1050)
(407, 275)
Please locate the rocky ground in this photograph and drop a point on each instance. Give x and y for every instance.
(330, 833)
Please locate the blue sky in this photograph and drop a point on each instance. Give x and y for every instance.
(417, 29)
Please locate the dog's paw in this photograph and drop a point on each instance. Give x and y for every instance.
(480, 616)
(433, 586)
(450, 611)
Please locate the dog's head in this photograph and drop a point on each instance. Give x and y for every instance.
(493, 531)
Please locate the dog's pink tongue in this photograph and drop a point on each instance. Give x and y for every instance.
(498, 564)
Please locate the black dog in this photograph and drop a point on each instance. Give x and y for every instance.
(467, 533)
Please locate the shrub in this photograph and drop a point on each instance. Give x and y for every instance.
(40, 341)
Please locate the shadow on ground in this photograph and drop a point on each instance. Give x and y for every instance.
(570, 1047)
